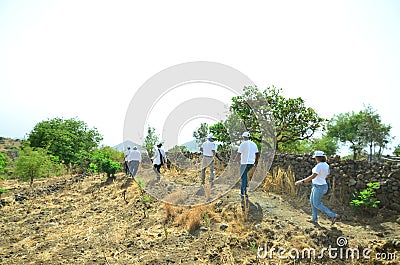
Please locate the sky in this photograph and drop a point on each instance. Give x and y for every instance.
(87, 59)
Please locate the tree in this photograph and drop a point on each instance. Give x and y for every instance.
(200, 134)
(328, 145)
(373, 132)
(106, 160)
(150, 141)
(345, 127)
(70, 140)
(290, 119)
(34, 163)
(396, 151)
(360, 129)
(229, 132)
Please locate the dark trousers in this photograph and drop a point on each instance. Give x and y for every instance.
(157, 168)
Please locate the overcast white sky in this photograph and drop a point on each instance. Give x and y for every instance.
(86, 59)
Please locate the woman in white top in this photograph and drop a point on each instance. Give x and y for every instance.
(319, 187)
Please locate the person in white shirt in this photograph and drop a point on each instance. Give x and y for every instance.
(159, 158)
(319, 187)
(208, 148)
(134, 159)
(126, 167)
(249, 155)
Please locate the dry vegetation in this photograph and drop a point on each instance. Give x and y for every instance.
(83, 220)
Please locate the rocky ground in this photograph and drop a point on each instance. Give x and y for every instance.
(87, 220)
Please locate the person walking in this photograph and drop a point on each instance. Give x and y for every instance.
(208, 148)
(126, 167)
(248, 155)
(159, 158)
(134, 159)
(319, 187)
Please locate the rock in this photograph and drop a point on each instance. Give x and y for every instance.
(352, 182)
(223, 226)
(398, 220)
(258, 226)
(395, 206)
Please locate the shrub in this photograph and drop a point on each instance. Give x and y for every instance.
(366, 198)
(32, 164)
(106, 160)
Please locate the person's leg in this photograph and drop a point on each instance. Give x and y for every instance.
(126, 168)
(314, 210)
(320, 191)
(203, 170)
(157, 169)
(135, 168)
(211, 169)
(243, 176)
(130, 167)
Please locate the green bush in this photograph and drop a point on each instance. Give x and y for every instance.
(106, 160)
(35, 163)
(366, 199)
(2, 163)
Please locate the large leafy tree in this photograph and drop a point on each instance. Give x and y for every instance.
(229, 131)
(293, 121)
(345, 127)
(373, 131)
(362, 129)
(70, 140)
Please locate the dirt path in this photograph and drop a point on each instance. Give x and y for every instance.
(80, 220)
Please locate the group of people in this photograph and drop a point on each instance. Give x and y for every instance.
(248, 155)
(134, 157)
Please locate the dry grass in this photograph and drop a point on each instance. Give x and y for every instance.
(280, 181)
(189, 218)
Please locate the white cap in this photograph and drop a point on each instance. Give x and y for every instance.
(210, 136)
(318, 153)
(246, 134)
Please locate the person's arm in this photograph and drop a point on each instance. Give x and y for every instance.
(257, 157)
(237, 158)
(307, 179)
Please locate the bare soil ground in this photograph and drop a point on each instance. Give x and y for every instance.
(85, 220)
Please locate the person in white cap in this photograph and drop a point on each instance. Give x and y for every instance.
(134, 159)
(248, 155)
(208, 148)
(319, 187)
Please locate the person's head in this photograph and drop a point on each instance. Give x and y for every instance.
(319, 156)
(159, 145)
(211, 137)
(129, 147)
(135, 148)
(246, 135)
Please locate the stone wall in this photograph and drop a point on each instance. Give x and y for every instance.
(348, 176)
